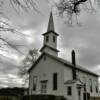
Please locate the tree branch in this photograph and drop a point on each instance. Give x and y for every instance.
(11, 45)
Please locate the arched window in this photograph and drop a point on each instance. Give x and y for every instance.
(34, 83)
(84, 81)
(96, 86)
(90, 85)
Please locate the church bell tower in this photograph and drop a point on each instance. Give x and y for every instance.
(50, 39)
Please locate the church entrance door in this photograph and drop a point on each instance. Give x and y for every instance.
(44, 87)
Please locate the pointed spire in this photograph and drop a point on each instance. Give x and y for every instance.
(51, 23)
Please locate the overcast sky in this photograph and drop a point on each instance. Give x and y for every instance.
(84, 39)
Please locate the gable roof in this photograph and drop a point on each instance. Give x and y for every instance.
(64, 62)
(49, 48)
(50, 32)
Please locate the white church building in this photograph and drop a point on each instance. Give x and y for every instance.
(56, 76)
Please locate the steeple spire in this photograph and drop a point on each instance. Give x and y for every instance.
(51, 23)
(50, 39)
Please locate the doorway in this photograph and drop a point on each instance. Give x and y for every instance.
(43, 87)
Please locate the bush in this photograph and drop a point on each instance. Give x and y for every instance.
(43, 97)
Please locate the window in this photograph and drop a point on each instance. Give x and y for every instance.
(44, 86)
(96, 86)
(91, 88)
(96, 89)
(90, 84)
(69, 90)
(34, 83)
(54, 81)
(47, 38)
(54, 38)
(85, 87)
(84, 81)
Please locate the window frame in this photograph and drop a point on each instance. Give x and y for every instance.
(69, 90)
(44, 86)
(47, 38)
(96, 86)
(55, 81)
(54, 38)
(34, 83)
(84, 81)
(90, 85)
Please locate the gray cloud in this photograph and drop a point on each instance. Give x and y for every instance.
(85, 39)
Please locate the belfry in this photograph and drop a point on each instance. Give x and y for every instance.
(50, 38)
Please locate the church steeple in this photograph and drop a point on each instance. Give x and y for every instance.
(50, 39)
(51, 23)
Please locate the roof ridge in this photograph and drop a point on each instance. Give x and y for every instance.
(65, 62)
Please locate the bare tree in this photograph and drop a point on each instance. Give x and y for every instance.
(73, 8)
(6, 27)
(26, 64)
(25, 4)
(67, 8)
